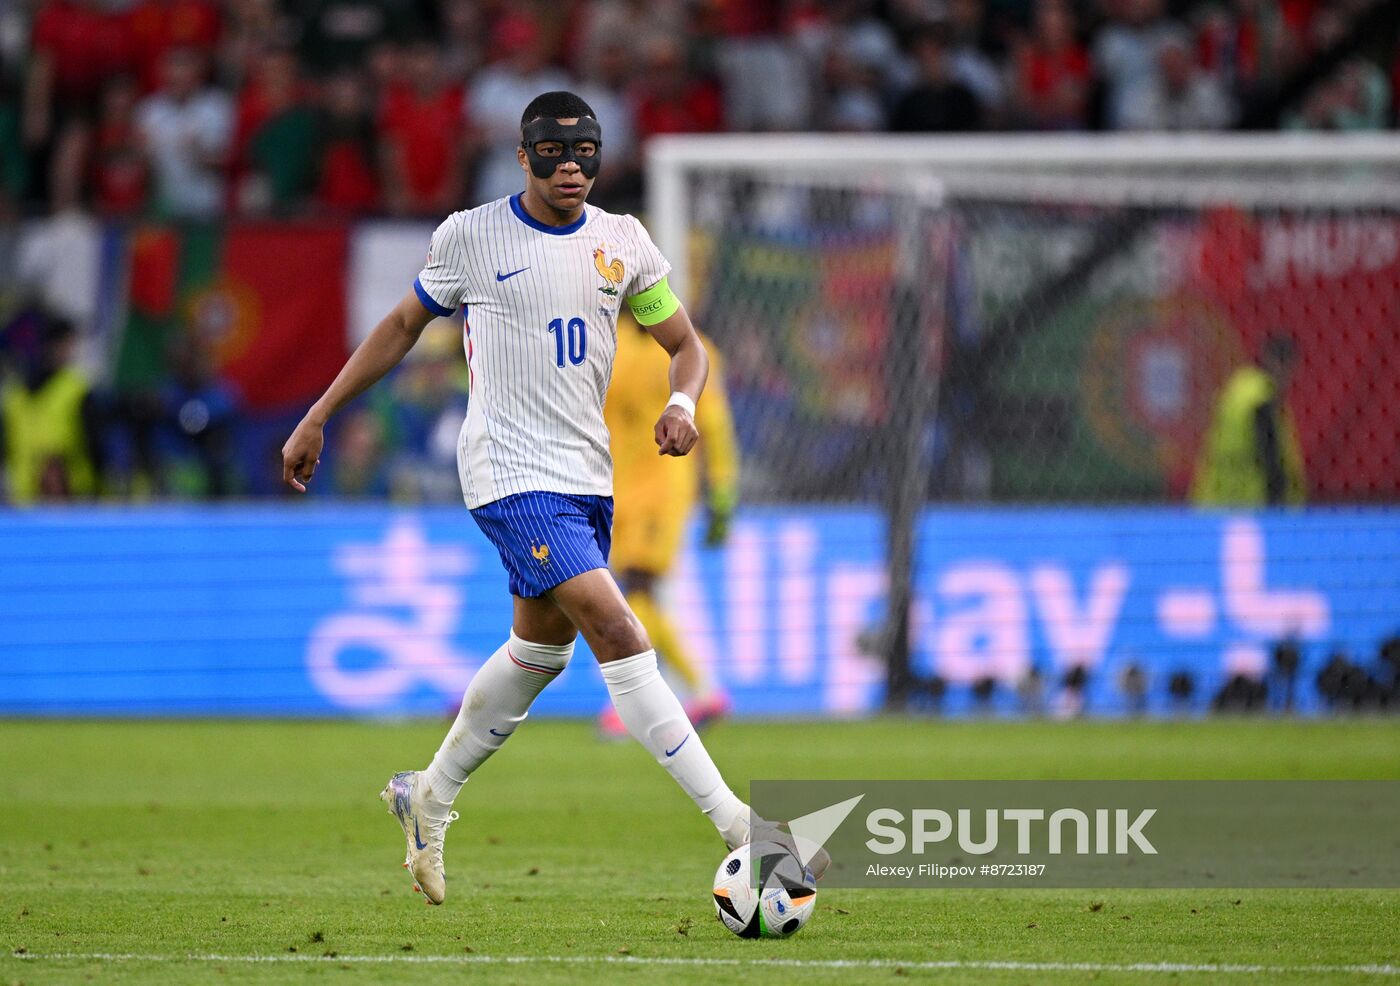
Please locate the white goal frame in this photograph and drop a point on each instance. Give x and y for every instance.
(1028, 163)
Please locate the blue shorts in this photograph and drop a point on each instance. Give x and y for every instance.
(547, 538)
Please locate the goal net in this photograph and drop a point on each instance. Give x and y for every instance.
(1084, 300)
(1047, 321)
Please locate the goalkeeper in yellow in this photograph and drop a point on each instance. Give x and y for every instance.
(653, 498)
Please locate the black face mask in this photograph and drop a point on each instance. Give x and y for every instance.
(544, 131)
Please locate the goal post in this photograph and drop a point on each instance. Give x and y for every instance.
(1033, 319)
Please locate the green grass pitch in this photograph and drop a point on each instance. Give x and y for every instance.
(177, 852)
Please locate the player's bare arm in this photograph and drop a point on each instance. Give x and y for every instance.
(676, 432)
(385, 348)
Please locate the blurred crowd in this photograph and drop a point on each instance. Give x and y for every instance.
(195, 109)
(189, 436)
(199, 110)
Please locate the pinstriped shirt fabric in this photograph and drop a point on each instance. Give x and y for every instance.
(541, 333)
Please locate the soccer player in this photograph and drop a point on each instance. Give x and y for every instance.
(654, 500)
(541, 275)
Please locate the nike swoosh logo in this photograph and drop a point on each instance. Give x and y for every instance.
(506, 277)
(418, 839)
(494, 733)
(672, 753)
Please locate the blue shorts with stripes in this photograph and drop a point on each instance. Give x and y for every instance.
(547, 538)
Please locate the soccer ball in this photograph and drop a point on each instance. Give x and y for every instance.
(778, 906)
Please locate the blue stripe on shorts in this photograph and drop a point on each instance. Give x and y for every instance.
(547, 538)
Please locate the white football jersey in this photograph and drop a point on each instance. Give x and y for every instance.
(541, 332)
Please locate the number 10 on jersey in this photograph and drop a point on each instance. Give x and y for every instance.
(577, 333)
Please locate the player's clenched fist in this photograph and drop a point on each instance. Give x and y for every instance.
(676, 433)
(301, 455)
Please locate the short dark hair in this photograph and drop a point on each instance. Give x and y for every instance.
(557, 105)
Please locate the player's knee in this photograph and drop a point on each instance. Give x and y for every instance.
(618, 635)
(542, 622)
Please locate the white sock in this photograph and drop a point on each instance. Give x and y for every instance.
(654, 717)
(495, 703)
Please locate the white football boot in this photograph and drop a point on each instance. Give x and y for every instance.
(424, 820)
(750, 827)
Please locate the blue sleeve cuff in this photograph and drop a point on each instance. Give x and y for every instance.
(428, 301)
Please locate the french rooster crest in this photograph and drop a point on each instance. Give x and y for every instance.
(612, 272)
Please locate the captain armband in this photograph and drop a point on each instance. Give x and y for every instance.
(656, 304)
